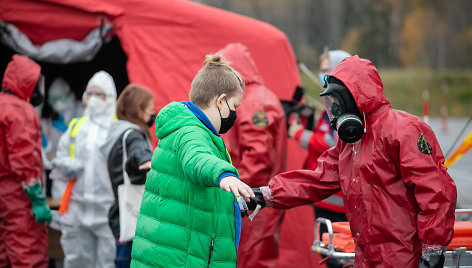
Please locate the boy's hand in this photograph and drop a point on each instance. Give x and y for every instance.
(239, 188)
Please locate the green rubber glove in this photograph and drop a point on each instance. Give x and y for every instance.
(40, 205)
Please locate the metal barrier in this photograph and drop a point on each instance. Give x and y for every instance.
(458, 257)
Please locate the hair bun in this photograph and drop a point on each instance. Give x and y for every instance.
(214, 60)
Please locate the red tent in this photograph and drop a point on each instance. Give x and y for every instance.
(164, 42)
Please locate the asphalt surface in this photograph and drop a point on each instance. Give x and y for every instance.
(460, 171)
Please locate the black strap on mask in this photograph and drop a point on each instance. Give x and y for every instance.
(8, 91)
(38, 92)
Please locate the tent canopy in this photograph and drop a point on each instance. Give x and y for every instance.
(165, 41)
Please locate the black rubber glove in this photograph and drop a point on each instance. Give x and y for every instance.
(258, 199)
(435, 261)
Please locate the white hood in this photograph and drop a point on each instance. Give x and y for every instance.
(98, 109)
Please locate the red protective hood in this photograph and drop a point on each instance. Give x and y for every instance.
(239, 57)
(368, 93)
(21, 76)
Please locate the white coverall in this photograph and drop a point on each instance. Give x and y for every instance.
(62, 101)
(87, 240)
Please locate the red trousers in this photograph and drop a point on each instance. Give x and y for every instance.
(259, 244)
(23, 241)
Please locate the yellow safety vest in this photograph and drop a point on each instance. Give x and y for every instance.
(74, 127)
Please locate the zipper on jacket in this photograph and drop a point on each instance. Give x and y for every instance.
(211, 250)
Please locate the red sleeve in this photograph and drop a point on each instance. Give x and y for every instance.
(317, 144)
(23, 139)
(422, 168)
(298, 135)
(313, 141)
(256, 157)
(301, 187)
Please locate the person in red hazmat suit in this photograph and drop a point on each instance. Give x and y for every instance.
(24, 211)
(398, 196)
(257, 144)
(319, 140)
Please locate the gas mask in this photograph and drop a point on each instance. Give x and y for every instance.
(60, 97)
(38, 92)
(342, 111)
(227, 122)
(60, 102)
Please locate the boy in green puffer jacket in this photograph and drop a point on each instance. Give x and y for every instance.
(186, 220)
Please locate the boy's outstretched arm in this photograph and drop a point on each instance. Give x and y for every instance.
(239, 188)
(302, 187)
(199, 163)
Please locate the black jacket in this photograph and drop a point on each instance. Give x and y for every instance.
(139, 151)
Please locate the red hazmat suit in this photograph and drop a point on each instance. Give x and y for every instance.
(257, 144)
(23, 241)
(316, 145)
(398, 196)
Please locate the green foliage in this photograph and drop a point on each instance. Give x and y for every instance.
(435, 34)
(310, 87)
(404, 89)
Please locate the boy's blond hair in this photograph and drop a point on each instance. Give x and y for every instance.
(216, 77)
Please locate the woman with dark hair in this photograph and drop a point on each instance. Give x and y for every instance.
(135, 112)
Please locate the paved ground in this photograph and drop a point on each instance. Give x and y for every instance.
(461, 171)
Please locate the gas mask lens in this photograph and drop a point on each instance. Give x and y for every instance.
(342, 111)
(332, 105)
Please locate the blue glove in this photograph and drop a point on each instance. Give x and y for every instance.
(60, 124)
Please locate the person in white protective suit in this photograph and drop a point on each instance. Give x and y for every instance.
(87, 240)
(64, 107)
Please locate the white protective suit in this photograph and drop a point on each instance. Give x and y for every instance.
(63, 102)
(87, 240)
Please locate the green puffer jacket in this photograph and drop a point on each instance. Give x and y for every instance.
(186, 220)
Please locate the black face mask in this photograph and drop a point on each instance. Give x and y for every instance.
(38, 92)
(228, 122)
(151, 120)
(342, 110)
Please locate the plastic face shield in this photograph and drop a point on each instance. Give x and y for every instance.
(323, 81)
(332, 106)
